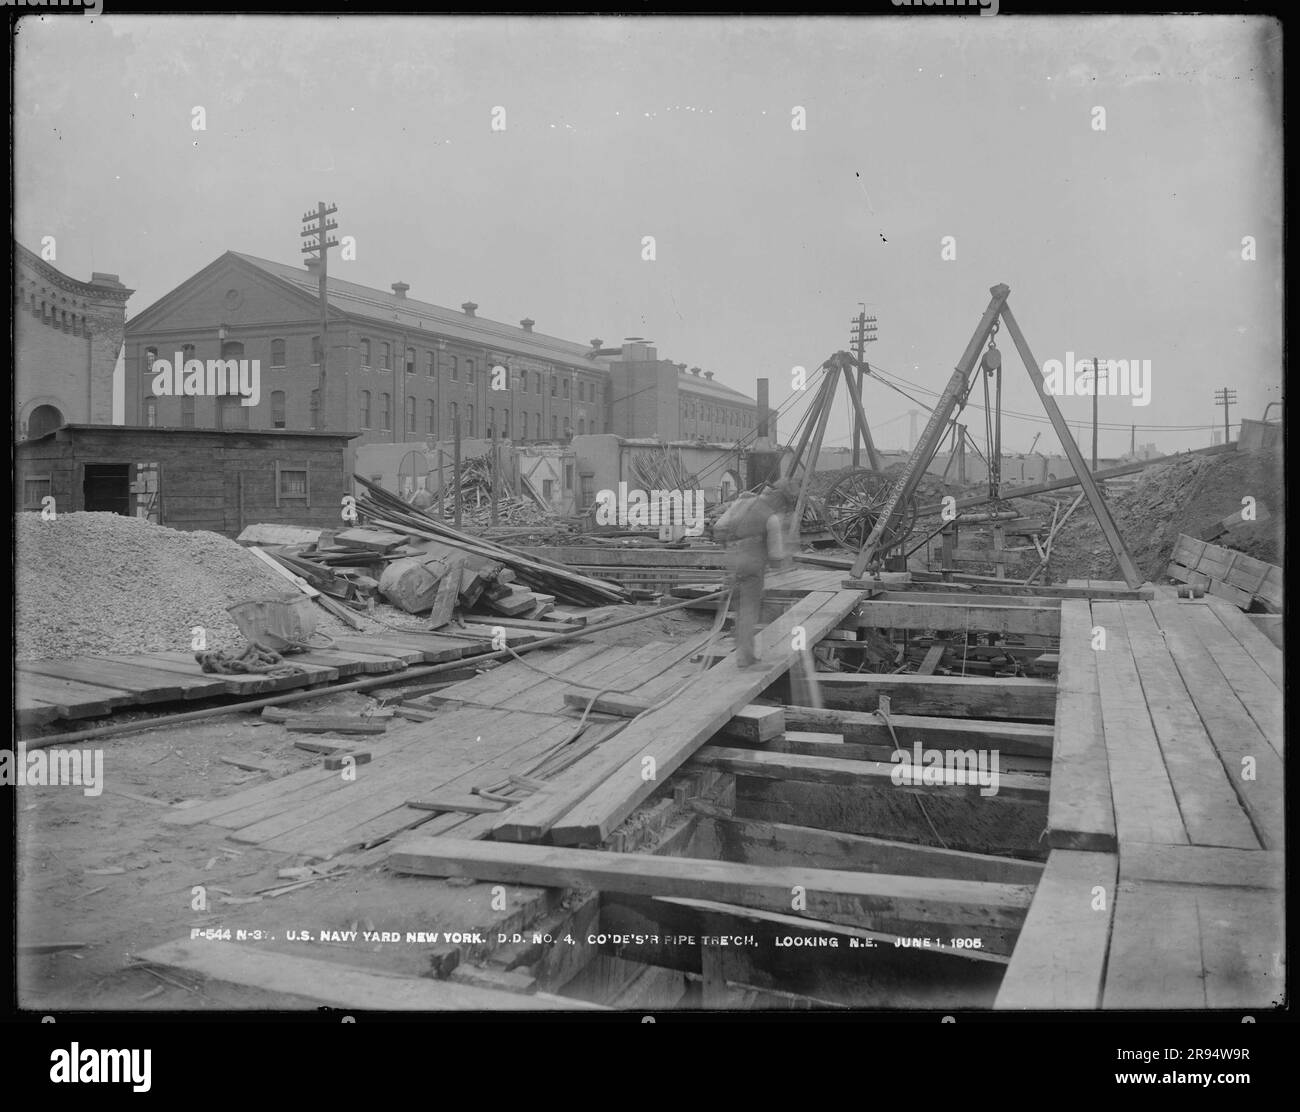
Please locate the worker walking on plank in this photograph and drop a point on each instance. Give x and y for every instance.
(756, 526)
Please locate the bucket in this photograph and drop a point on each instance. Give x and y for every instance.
(279, 623)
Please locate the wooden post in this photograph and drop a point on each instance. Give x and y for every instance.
(855, 395)
(496, 482)
(455, 470)
(1132, 577)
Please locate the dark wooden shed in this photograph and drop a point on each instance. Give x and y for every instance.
(188, 478)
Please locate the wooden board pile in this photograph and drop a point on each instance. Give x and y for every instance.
(386, 512)
(479, 480)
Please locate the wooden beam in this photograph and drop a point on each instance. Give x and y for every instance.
(343, 986)
(1044, 620)
(1211, 866)
(1080, 814)
(945, 696)
(755, 724)
(758, 842)
(1127, 568)
(600, 791)
(858, 899)
(1060, 957)
(868, 728)
(959, 774)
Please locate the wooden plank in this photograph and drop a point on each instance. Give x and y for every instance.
(1253, 767)
(1060, 957)
(1270, 625)
(339, 985)
(1261, 697)
(1210, 810)
(34, 712)
(72, 699)
(370, 647)
(245, 684)
(755, 724)
(1057, 591)
(1205, 866)
(510, 679)
(1243, 947)
(349, 663)
(868, 728)
(961, 778)
(933, 655)
(1146, 809)
(195, 683)
(1155, 948)
(147, 685)
(942, 696)
(758, 842)
(811, 744)
(1080, 813)
(858, 899)
(986, 618)
(661, 741)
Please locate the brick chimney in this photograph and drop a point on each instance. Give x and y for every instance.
(469, 308)
(708, 374)
(400, 288)
(527, 324)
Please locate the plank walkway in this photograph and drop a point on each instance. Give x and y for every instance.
(93, 686)
(1164, 885)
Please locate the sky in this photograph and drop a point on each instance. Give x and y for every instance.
(1121, 242)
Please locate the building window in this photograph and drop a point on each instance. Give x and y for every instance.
(469, 419)
(33, 491)
(386, 355)
(566, 387)
(552, 386)
(277, 354)
(537, 383)
(385, 411)
(187, 353)
(410, 414)
(430, 364)
(537, 426)
(316, 351)
(491, 421)
(150, 357)
(555, 427)
(365, 352)
(568, 429)
(410, 361)
(548, 489)
(455, 416)
(365, 409)
(230, 413)
(187, 411)
(455, 369)
(314, 404)
(568, 476)
(290, 483)
(151, 413)
(582, 427)
(431, 419)
(469, 370)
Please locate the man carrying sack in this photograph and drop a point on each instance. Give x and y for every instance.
(753, 528)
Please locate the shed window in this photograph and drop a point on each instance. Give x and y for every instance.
(292, 484)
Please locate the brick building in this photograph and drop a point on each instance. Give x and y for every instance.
(67, 336)
(399, 369)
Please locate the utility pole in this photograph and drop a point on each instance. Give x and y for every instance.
(317, 226)
(864, 332)
(1225, 397)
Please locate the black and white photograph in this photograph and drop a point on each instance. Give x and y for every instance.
(649, 515)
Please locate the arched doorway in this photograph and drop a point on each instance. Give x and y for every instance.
(43, 419)
(729, 486)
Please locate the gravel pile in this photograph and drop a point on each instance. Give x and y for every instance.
(98, 583)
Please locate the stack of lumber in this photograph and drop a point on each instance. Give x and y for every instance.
(479, 480)
(1239, 578)
(386, 511)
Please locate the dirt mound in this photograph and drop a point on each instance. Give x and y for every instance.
(1186, 495)
(92, 584)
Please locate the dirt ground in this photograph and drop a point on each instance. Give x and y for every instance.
(105, 871)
